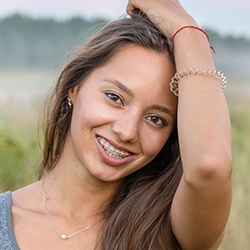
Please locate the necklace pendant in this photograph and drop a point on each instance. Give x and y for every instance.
(64, 237)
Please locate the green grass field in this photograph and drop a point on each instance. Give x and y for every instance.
(19, 156)
(238, 230)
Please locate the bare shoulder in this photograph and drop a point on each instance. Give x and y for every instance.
(32, 223)
(27, 197)
(25, 205)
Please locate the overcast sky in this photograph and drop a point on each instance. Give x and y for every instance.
(225, 16)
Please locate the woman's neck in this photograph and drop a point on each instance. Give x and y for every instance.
(77, 194)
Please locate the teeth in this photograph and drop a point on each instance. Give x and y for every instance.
(111, 151)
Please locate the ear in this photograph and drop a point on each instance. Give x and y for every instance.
(73, 93)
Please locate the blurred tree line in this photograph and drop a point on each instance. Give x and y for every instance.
(28, 43)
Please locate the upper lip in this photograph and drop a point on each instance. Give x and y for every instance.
(115, 145)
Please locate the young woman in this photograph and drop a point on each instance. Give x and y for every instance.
(128, 165)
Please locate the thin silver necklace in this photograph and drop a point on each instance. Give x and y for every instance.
(61, 235)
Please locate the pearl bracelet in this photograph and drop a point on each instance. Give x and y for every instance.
(192, 71)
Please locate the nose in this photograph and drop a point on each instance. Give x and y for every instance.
(127, 128)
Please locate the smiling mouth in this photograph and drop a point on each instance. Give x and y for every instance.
(111, 150)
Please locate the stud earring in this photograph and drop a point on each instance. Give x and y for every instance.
(69, 102)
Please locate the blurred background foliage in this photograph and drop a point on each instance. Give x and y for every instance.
(32, 53)
(29, 43)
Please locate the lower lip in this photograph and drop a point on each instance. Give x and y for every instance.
(110, 160)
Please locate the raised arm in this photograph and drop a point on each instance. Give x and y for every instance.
(201, 205)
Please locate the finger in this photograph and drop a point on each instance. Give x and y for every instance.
(130, 7)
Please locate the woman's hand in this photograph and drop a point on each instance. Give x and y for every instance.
(167, 15)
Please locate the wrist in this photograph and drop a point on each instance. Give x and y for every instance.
(195, 28)
(192, 48)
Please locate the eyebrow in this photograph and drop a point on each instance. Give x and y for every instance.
(120, 86)
(164, 110)
(130, 93)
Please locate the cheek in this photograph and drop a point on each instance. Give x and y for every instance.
(83, 108)
(153, 145)
(88, 114)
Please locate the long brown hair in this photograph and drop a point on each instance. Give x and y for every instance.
(138, 215)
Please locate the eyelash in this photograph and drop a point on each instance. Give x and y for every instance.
(162, 120)
(119, 100)
(112, 96)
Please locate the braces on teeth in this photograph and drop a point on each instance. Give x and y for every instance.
(111, 151)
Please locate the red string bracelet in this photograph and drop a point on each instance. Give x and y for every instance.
(197, 28)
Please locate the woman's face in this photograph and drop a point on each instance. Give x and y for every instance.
(123, 114)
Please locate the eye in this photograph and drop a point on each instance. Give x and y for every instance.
(157, 120)
(114, 97)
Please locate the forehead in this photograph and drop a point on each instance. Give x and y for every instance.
(134, 60)
(141, 66)
(146, 73)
